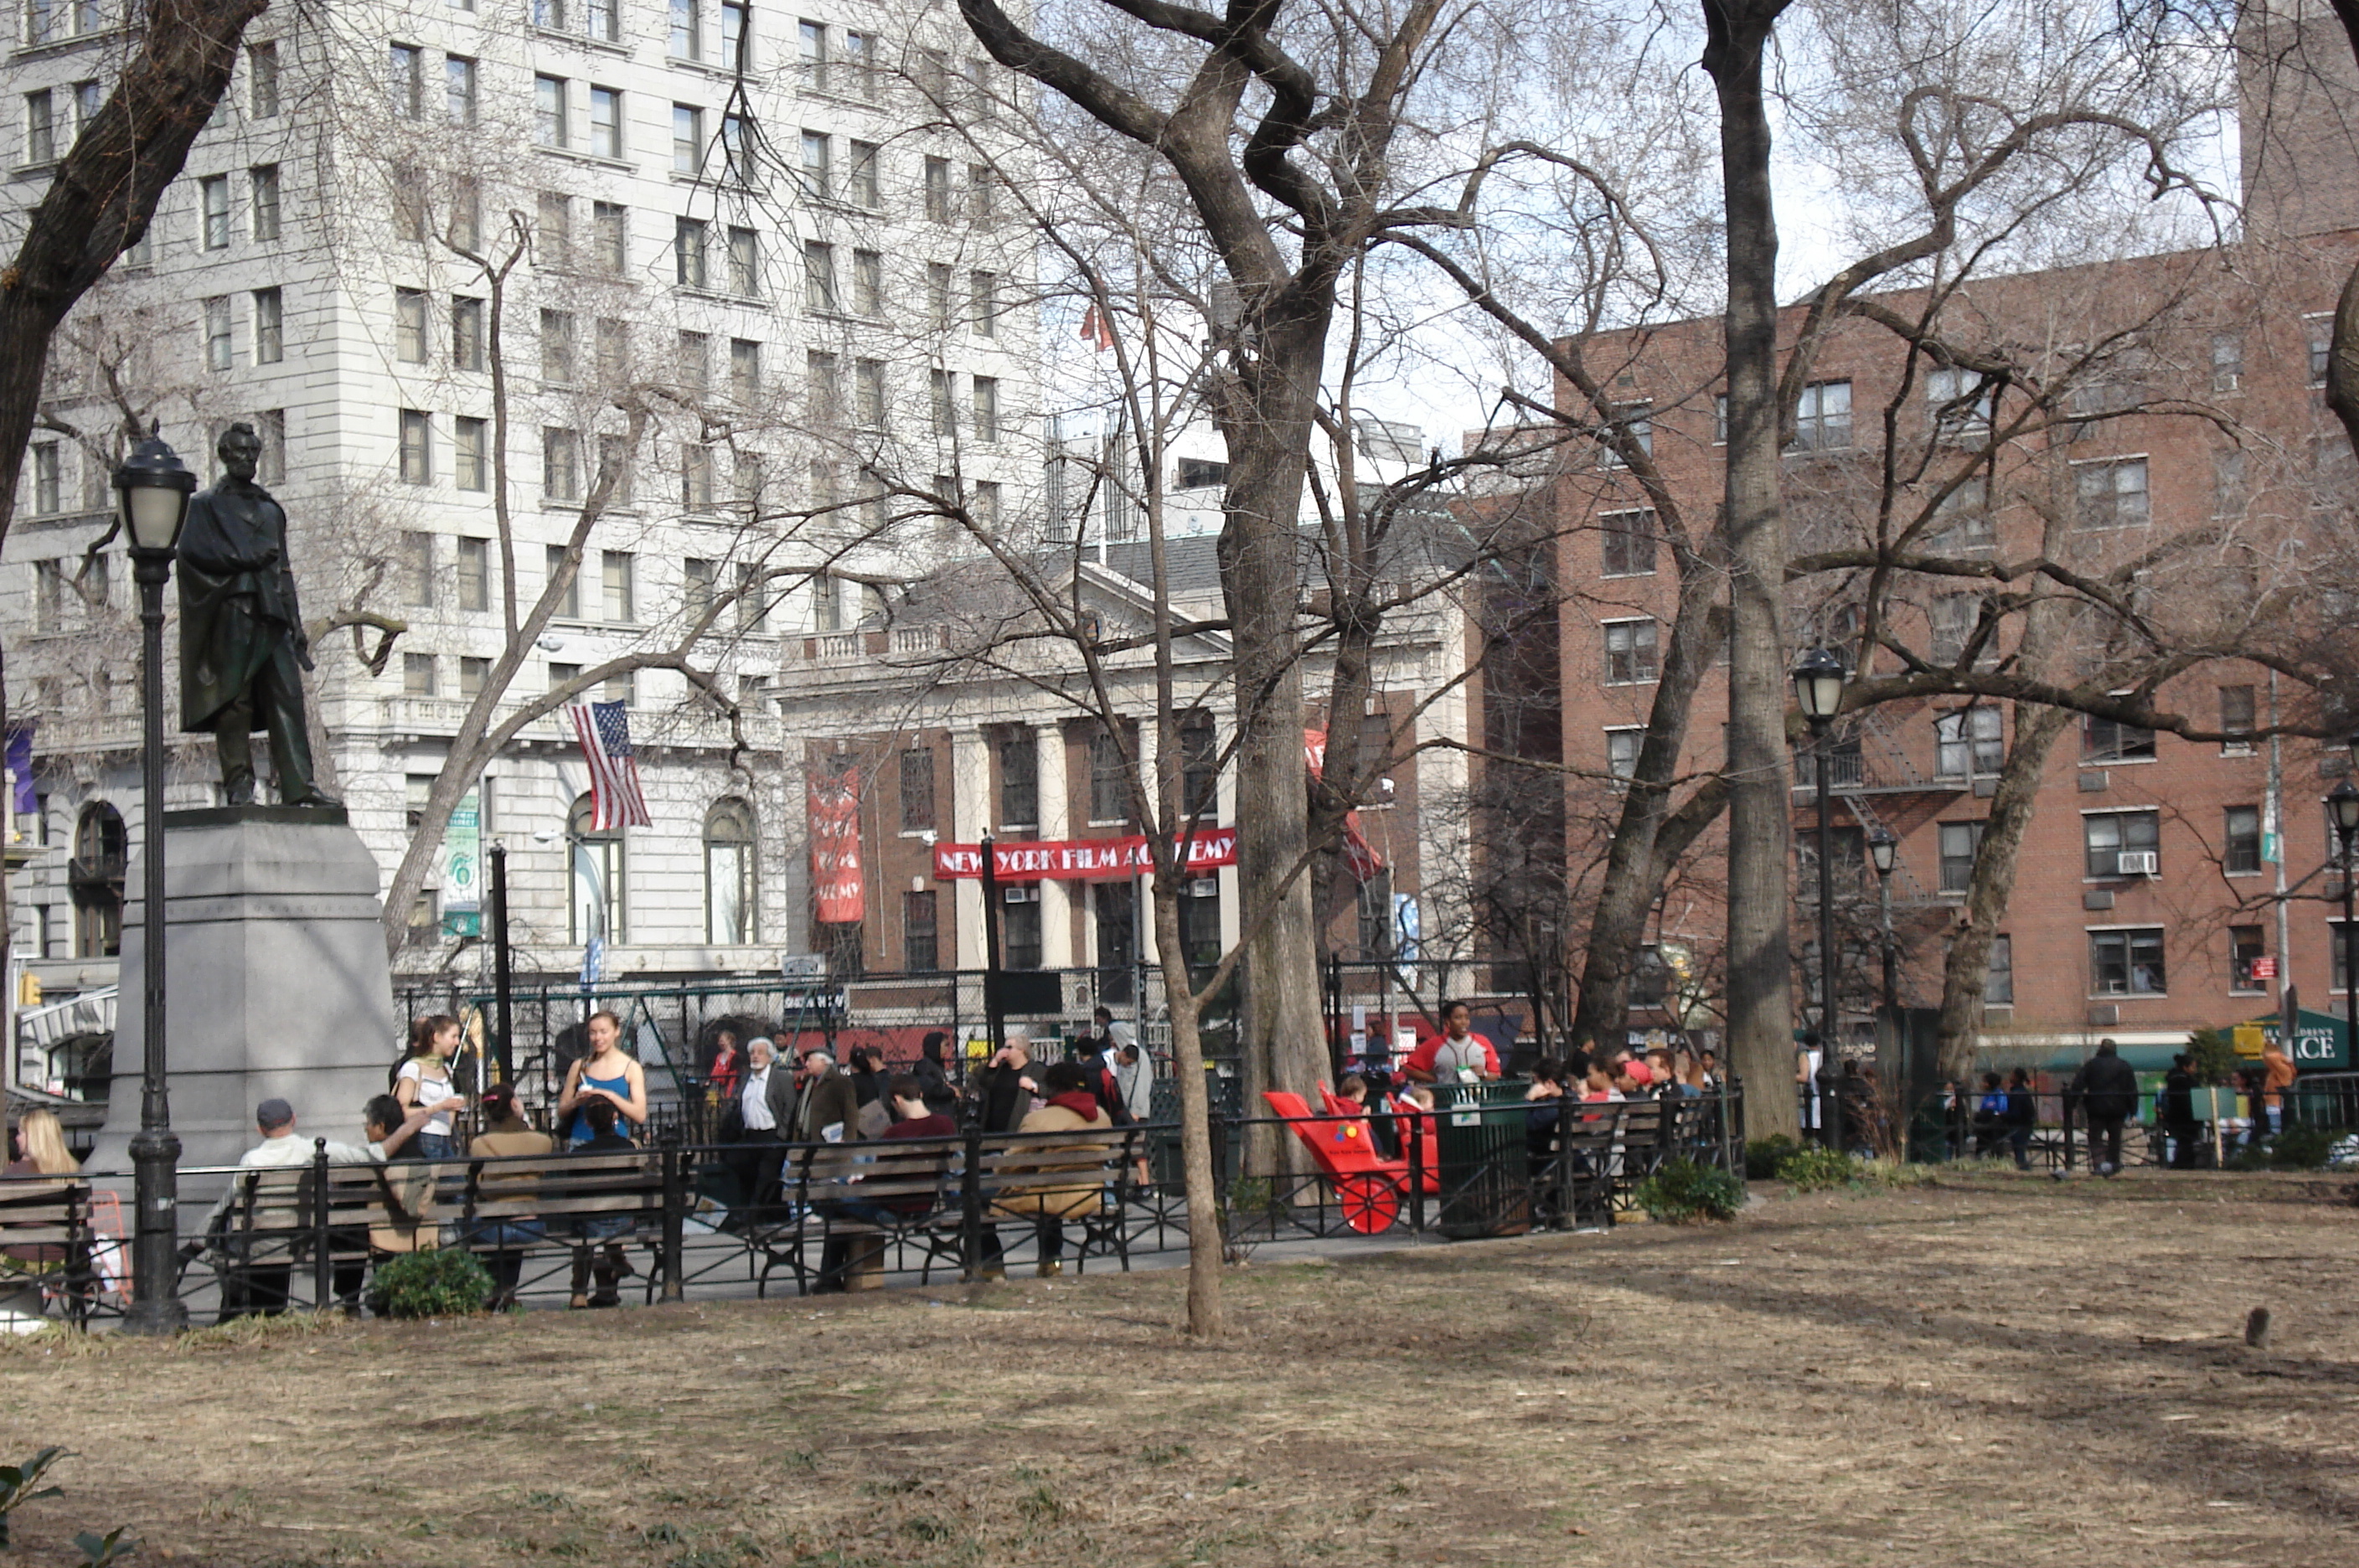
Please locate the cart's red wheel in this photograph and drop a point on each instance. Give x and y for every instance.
(1370, 1203)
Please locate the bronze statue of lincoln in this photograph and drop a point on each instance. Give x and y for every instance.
(242, 651)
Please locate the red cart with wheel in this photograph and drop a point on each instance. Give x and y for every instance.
(1368, 1188)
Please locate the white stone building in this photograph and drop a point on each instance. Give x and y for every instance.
(447, 258)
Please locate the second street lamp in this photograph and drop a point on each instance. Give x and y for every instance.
(1884, 854)
(153, 488)
(1818, 688)
(2344, 804)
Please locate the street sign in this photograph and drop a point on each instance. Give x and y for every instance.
(2265, 967)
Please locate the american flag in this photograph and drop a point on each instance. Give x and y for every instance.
(604, 731)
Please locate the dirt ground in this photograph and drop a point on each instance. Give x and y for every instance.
(1992, 1370)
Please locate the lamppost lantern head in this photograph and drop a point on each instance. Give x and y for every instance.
(1819, 685)
(152, 490)
(1882, 850)
(2344, 803)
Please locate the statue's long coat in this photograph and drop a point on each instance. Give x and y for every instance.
(238, 602)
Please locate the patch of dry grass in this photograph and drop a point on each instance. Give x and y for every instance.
(1996, 1370)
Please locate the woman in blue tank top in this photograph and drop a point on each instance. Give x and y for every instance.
(608, 1072)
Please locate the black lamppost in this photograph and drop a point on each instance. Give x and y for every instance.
(993, 1008)
(1882, 853)
(1818, 688)
(2344, 803)
(153, 488)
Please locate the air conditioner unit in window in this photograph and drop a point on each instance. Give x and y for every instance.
(2136, 863)
(1204, 887)
(1028, 892)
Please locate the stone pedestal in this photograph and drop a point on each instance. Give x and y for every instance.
(275, 982)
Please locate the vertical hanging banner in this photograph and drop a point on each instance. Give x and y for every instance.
(834, 805)
(1360, 856)
(462, 868)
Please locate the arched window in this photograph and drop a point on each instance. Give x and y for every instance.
(597, 906)
(732, 913)
(95, 876)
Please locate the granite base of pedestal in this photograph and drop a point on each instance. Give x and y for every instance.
(276, 984)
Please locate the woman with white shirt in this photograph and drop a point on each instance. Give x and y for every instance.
(424, 1080)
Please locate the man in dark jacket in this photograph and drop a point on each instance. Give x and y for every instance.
(2178, 1123)
(2108, 1092)
(1005, 1085)
(759, 1118)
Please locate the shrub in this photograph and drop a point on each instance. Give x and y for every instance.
(2295, 1149)
(2215, 1051)
(1683, 1192)
(1816, 1169)
(442, 1284)
(1764, 1155)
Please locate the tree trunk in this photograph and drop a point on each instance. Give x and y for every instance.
(1206, 1318)
(1267, 425)
(1966, 968)
(1760, 816)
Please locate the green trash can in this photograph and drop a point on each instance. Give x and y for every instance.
(1482, 1159)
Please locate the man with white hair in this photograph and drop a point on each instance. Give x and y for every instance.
(760, 1118)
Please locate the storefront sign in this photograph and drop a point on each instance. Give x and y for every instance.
(1082, 859)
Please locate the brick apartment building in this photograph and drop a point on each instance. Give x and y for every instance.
(2161, 880)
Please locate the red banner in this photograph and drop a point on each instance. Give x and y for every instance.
(1078, 859)
(1360, 856)
(833, 804)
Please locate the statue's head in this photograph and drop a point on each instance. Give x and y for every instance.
(240, 451)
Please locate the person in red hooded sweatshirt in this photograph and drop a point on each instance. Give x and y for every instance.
(1071, 1107)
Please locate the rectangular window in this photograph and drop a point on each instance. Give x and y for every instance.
(868, 282)
(812, 55)
(1631, 422)
(1628, 541)
(2121, 843)
(560, 465)
(218, 347)
(2340, 935)
(1961, 520)
(984, 508)
(417, 447)
(409, 326)
(983, 294)
(1970, 743)
(1998, 980)
(605, 123)
(458, 89)
(2247, 946)
(473, 673)
(745, 264)
(699, 584)
(2104, 740)
(921, 937)
(263, 183)
(270, 425)
(987, 408)
(614, 457)
(561, 676)
(610, 238)
(466, 332)
(2227, 362)
(417, 561)
(1622, 752)
(1960, 841)
(569, 603)
(938, 296)
(687, 30)
(89, 97)
(618, 689)
(2320, 330)
(466, 213)
(1823, 416)
(475, 572)
(2126, 963)
(818, 275)
(1019, 781)
(982, 194)
(213, 194)
(687, 252)
(1952, 620)
(2240, 849)
(405, 80)
(917, 790)
(736, 35)
(938, 189)
(753, 599)
(824, 385)
(557, 348)
(858, 66)
(615, 571)
(1962, 402)
(868, 393)
(695, 478)
(2239, 716)
(1629, 652)
(418, 675)
(556, 248)
(692, 362)
(614, 351)
(40, 127)
(2110, 494)
(2230, 490)
(745, 372)
(687, 138)
(1109, 780)
(471, 443)
(736, 149)
(408, 204)
(48, 487)
(548, 111)
(269, 327)
(262, 80)
(1019, 928)
(860, 185)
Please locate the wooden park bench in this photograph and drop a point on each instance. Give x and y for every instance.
(45, 1250)
(538, 1204)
